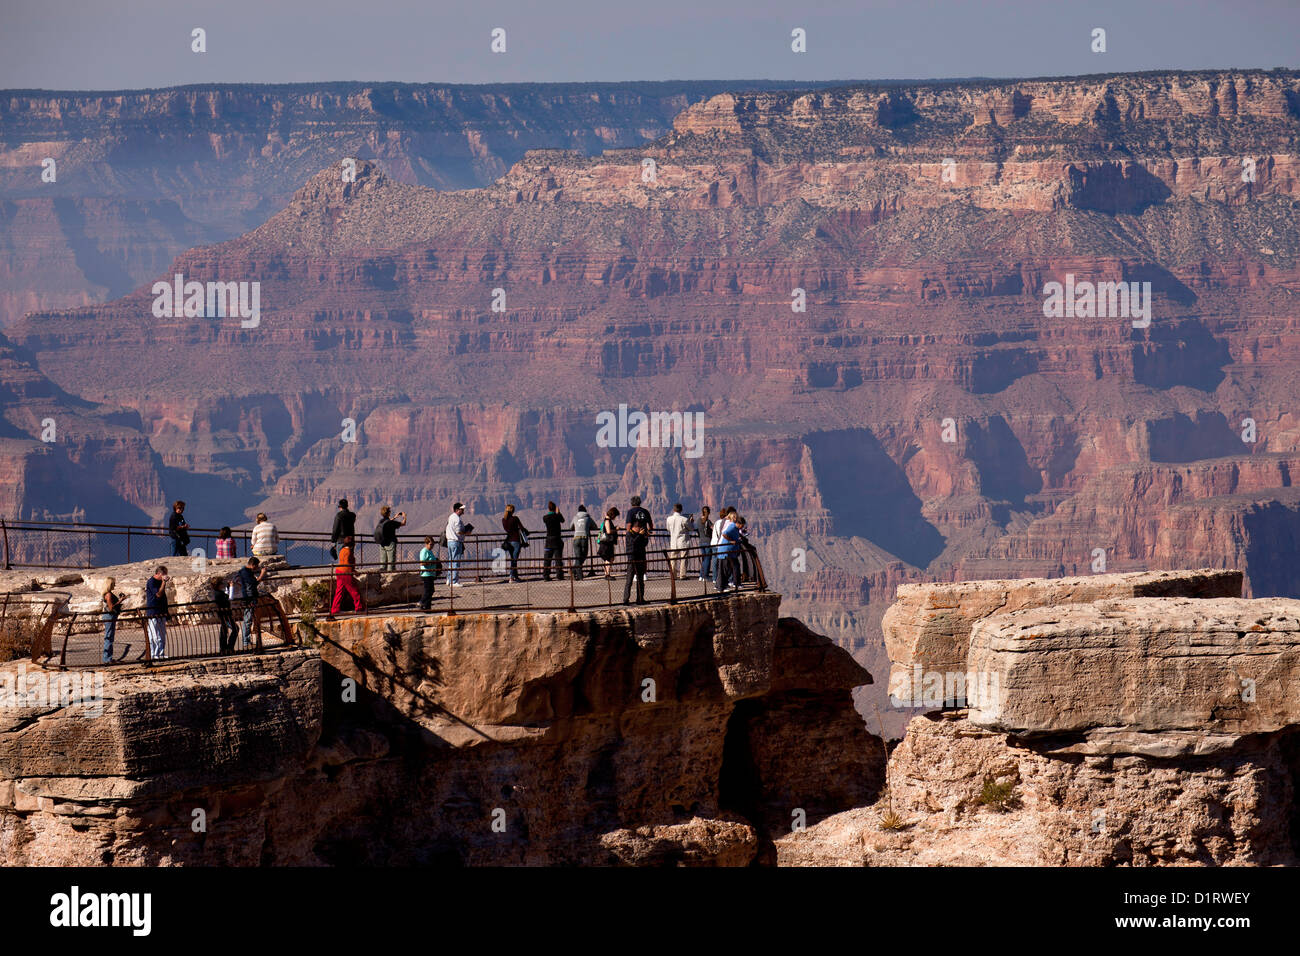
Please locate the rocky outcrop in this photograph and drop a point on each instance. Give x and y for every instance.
(665, 735)
(928, 628)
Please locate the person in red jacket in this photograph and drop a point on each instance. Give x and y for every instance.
(344, 579)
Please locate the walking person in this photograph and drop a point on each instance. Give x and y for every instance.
(179, 530)
(344, 581)
(516, 535)
(679, 526)
(553, 548)
(386, 537)
(345, 526)
(266, 539)
(110, 607)
(638, 537)
(225, 543)
(249, 578)
(705, 532)
(225, 616)
(155, 603)
(457, 530)
(428, 572)
(607, 542)
(582, 525)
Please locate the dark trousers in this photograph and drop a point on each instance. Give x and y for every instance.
(554, 551)
(728, 571)
(426, 601)
(580, 546)
(635, 568)
(226, 637)
(178, 548)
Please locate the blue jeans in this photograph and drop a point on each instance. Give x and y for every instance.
(455, 551)
(706, 561)
(157, 627)
(247, 626)
(513, 548)
(110, 631)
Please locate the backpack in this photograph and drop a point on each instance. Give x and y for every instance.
(379, 531)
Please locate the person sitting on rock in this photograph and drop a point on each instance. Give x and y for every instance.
(225, 544)
(266, 540)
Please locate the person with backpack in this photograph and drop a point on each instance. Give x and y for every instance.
(582, 525)
(249, 578)
(386, 537)
(179, 530)
(706, 542)
(638, 538)
(428, 572)
(344, 581)
(516, 537)
(345, 526)
(553, 548)
(110, 607)
(225, 617)
(607, 541)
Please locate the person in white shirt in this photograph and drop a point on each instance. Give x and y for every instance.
(679, 527)
(715, 546)
(266, 540)
(456, 531)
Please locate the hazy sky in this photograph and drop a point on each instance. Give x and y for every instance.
(123, 44)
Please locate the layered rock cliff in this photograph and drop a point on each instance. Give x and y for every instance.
(668, 735)
(925, 417)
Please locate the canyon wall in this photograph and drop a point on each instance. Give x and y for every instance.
(847, 284)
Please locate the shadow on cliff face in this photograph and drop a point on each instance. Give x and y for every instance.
(1004, 469)
(869, 496)
(1179, 353)
(1273, 529)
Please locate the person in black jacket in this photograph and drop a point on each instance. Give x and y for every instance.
(345, 526)
(554, 548)
(179, 530)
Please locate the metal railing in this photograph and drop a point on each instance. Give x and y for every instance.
(191, 630)
(27, 622)
(215, 628)
(79, 545)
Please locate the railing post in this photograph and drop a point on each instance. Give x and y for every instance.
(573, 607)
(672, 582)
(5, 528)
(128, 544)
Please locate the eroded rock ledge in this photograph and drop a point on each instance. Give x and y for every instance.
(688, 734)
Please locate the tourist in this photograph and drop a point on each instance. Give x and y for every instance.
(225, 544)
(607, 541)
(715, 545)
(638, 537)
(110, 607)
(428, 572)
(705, 532)
(728, 548)
(582, 525)
(225, 618)
(249, 578)
(266, 540)
(679, 527)
(155, 603)
(386, 537)
(179, 530)
(553, 549)
(344, 580)
(457, 531)
(345, 526)
(516, 535)
(747, 553)
(638, 515)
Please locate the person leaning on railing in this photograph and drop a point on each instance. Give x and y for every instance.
(111, 607)
(249, 578)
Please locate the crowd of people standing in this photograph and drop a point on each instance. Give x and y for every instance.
(718, 547)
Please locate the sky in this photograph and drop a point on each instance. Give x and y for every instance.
(133, 44)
